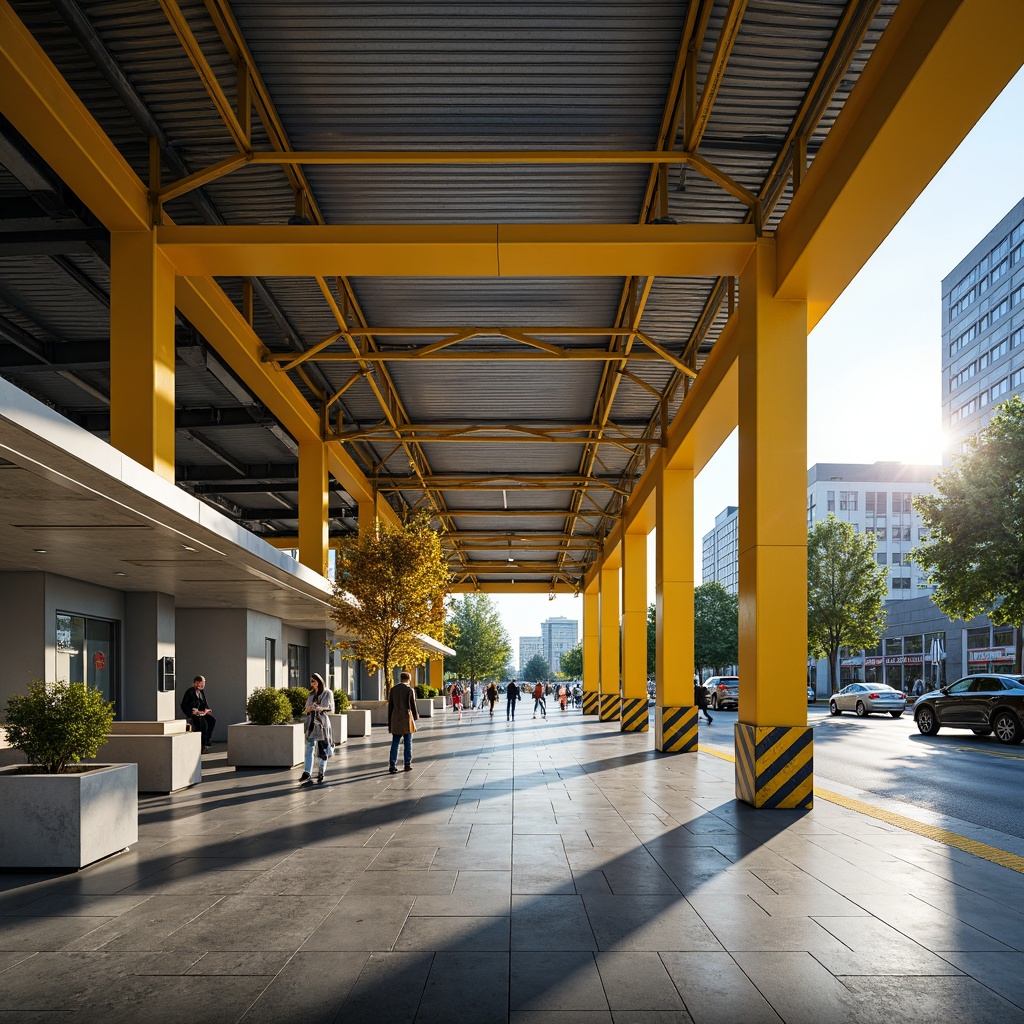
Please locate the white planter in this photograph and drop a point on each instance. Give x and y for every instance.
(440, 703)
(339, 728)
(425, 707)
(378, 710)
(265, 746)
(169, 758)
(359, 722)
(68, 821)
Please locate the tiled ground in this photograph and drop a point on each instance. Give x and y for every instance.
(547, 871)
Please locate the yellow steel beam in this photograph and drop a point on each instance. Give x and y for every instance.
(491, 483)
(41, 106)
(936, 69)
(469, 586)
(554, 513)
(434, 354)
(459, 250)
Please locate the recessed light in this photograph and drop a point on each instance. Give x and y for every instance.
(39, 551)
(120, 574)
(187, 548)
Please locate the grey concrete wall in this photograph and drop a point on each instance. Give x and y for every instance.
(21, 631)
(211, 642)
(148, 636)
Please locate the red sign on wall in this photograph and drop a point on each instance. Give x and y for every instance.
(99, 660)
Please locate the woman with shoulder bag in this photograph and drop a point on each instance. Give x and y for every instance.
(319, 734)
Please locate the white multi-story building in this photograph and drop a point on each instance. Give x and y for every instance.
(983, 330)
(877, 499)
(528, 647)
(558, 635)
(720, 551)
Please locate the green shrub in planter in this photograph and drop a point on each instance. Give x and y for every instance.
(58, 724)
(267, 706)
(425, 692)
(297, 695)
(341, 702)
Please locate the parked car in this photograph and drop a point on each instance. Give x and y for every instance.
(811, 695)
(723, 692)
(864, 698)
(985, 704)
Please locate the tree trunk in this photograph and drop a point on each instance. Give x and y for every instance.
(1018, 657)
(833, 670)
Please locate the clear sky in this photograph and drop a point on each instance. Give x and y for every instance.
(874, 360)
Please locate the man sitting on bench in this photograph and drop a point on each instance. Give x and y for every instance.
(197, 712)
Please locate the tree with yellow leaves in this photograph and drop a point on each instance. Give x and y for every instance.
(390, 591)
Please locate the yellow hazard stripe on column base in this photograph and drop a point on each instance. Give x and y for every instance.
(774, 765)
(939, 835)
(609, 707)
(590, 702)
(675, 729)
(635, 717)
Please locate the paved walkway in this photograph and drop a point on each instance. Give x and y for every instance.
(550, 871)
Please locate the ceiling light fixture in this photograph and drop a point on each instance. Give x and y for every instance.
(39, 551)
(187, 548)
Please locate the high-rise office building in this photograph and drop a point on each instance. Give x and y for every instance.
(877, 499)
(528, 647)
(558, 635)
(983, 330)
(720, 551)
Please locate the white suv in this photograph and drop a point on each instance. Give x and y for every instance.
(723, 692)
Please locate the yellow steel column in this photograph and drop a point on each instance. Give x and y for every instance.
(634, 633)
(367, 517)
(773, 744)
(436, 679)
(610, 693)
(313, 506)
(675, 717)
(142, 351)
(591, 646)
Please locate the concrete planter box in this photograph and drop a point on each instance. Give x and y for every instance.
(68, 821)
(359, 722)
(378, 710)
(425, 707)
(169, 758)
(339, 727)
(440, 703)
(265, 746)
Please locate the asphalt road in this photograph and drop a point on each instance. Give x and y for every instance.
(974, 778)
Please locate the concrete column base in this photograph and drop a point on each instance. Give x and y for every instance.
(590, 702)
(609, 707)
(635, 717)
(775, 765)
(675, 729)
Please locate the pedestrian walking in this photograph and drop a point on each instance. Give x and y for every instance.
(511, 700)
(563, 696)
(457, 699)
(402, 716)
(319, 734)
(538, 701)
(700, 698)
(577, 696)
(492, 696)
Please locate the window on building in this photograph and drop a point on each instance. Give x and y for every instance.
(830, 498)
(270, 662)
(1000, 269)
(847, 501)
(922, 533)
(87, 652)
(893, 646)
(913, 644)
(880, 533)
(880, 557)
(298, 665)
(897, 558)
(978, 637)
(901, 501)
(1002, 636)
(901, 583)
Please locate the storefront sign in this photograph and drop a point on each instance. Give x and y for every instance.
(99, 659)
(982, 654)
(904, 659)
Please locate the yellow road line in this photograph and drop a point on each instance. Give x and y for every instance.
(938, 835)
(992, 753)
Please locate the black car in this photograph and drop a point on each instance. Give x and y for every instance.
(985, 704)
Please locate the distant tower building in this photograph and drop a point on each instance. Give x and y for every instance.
(983, 330)
(558, 635)
(528, 647)
(720, 551)
(877, 499)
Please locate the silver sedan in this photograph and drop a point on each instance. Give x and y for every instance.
(864, 698)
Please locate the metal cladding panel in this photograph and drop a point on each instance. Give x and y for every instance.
(497, 392)
(556, 459)
(45, 302)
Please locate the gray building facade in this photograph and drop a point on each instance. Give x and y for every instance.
(720, 551)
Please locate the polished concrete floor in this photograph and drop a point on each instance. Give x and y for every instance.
(547, 871)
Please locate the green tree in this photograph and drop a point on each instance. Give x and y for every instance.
(537, 669)
(845, 590)
(390, 592)
(715, 627)
(975, 550)
(482, 646)
(652, 640)
(572, 662)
